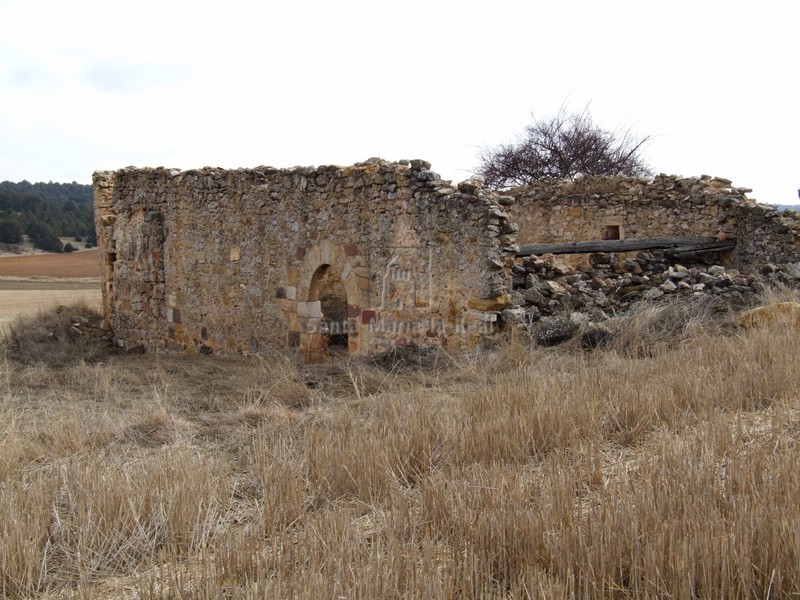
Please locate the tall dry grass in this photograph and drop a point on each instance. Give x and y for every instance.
(57, 337)
(668, 472)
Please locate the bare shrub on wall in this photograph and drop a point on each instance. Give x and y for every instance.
(564, 146)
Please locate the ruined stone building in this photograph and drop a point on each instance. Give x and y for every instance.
(370, 256)
(593, 208)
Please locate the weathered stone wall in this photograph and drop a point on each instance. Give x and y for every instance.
(213, 260)
(552, 210)
(766, 235)
(216, 260)
(594, 208)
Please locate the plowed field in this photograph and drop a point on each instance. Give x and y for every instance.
(29, 283)
(76, 264)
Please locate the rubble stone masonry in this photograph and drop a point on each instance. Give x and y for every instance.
(595, 207)
(226, 261)
(235, 261)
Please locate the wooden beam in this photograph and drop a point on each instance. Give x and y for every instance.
(673, 244)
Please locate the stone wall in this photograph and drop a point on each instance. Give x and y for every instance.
(766, 235)
(595, 207)
(216, 260)
(381, 254)
(552, 210)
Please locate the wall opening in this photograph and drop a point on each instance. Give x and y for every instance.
(611, 232)
(328, 289)
(613, 228)
(108, 273)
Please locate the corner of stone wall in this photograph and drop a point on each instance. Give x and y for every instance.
(767, 235)
(105, 217)
(499, 247)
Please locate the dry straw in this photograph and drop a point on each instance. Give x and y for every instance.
(663, 466)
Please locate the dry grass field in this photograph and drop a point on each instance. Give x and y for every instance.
(664, 466)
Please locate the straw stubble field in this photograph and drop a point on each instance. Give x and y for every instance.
(662, 467)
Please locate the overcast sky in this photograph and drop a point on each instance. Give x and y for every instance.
(88, 85)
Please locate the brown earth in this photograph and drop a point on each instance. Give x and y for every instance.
(34, 282)
(76, 264)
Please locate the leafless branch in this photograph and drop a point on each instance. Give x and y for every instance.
(565, 146)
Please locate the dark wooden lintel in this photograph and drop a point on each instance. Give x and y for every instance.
(673, 244)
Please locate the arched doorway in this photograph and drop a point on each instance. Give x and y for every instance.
(337, 277)
(328, 289)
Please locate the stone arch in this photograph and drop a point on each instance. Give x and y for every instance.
(327, 288)
(350, 267)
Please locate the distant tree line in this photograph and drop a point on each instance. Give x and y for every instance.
(45, 212)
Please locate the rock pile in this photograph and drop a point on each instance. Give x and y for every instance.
(610, 284)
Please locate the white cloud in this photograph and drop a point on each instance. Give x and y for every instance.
(130, 78)
(185, 84)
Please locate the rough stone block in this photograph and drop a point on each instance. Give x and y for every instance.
(311, 325)
(309, 310)
(287, 305)
(363, 283)
(327, 253)
(481, 316)
(498, 303)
